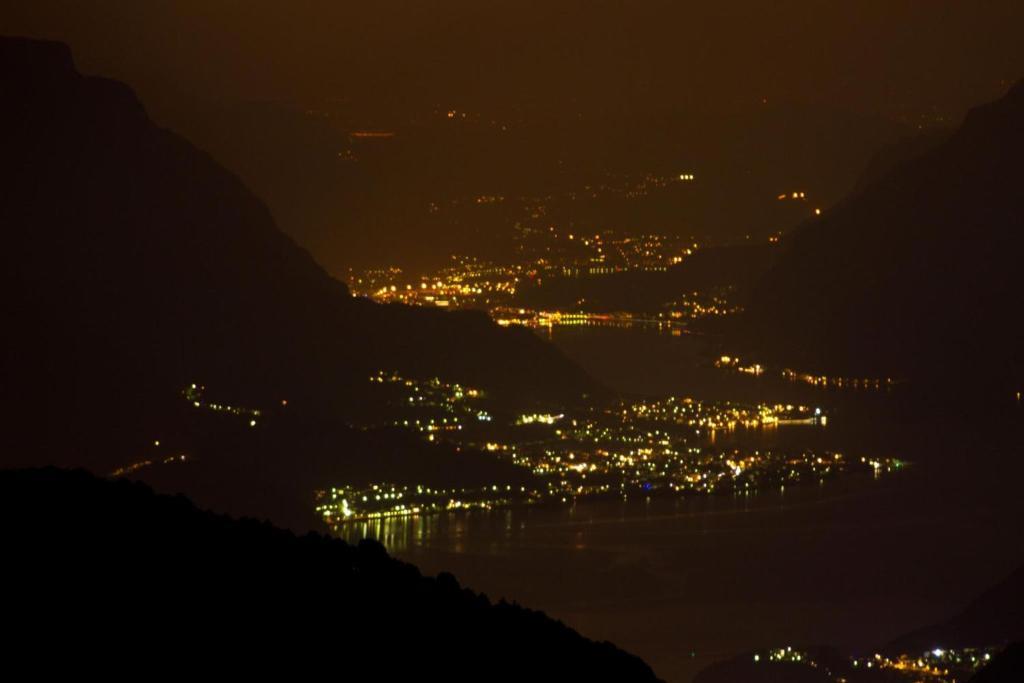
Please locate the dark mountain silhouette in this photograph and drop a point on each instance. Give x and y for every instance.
(1006, 667)
(100, 566)
(273, 471)
(325, 187)
(133, 265)
(891, 157)
(993, 618)
(915, 276)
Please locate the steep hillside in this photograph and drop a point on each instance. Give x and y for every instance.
(916, 276)
(134, 264)
(1007, 667)
(106, 566)
(994, 617)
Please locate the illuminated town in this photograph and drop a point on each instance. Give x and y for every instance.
(474, 283)
(640, 447)
(938, 665)
(626, 448)
(195, 394)
(736, 364)
(549, 319)
(471, 282)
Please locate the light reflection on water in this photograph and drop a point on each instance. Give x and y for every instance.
(851, 562)
(847, 562)
(399, 534)
(496, 532)
(447, 531)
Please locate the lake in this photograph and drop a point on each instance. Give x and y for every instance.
(682, 583)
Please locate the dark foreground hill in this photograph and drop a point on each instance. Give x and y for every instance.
(916, 276)
(110, 569)
(133, 264)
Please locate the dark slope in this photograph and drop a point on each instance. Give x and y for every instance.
(1006, 667)
(109, 567)
(891, 157)
(298, 163)
(275, 470)
(133, 264)
(917, 275)
(994, 617)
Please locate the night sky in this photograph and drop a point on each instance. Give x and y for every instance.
(760, 98)
(888, 57)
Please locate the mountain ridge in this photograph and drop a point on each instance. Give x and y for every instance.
(135, 264)
(180, 586)
(914, 270)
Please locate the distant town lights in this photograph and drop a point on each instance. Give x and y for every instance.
(686, 176)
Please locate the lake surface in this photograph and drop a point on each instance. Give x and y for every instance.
(684, 582)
